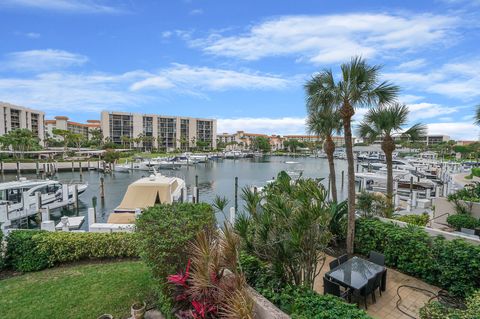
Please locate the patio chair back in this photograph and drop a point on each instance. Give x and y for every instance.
(334, 264)
(329, 287)
(377, 258)
(369, 288)
(342, 259)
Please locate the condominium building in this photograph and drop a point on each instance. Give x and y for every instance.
(165, 132)
(63, 123)
(15, 117)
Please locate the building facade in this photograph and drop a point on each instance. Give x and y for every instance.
(164, 132)
(63, 123)
(18, 117)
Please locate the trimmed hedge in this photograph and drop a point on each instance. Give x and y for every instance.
(435, 310)
(298, 302)
(29, 250)
(453, 265)
(419, 220)
(458, 221)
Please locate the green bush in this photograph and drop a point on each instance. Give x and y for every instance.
(418, 220)
(453, 265)
(470, 193)
(436, 310)
(35, 250)
(299, 302)
(165, 232)
(22, 251)
(2, 253)
(458, 221)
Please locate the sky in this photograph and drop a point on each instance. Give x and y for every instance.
(242, 62)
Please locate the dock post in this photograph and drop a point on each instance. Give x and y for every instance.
(197, 194)
(232, 216)
(357, 167)
(44, 169)
(88, 165)
(1, 168)
(98, 164)
(37, 168)
(64, 220)
(102, 188)
(411, 187)
(38, 201)
(75, 197)
(45, 214)
(195, 191)
(65, 195)
(236, 193)
(18, 170)
(343, 177)
(91, 217)
(73, 166)
(80, 169)
(182, 195)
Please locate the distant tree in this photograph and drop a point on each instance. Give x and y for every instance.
(203, 145)
(76, 139)
(64, 134)
(96, 137)
(261, 143)
(292, 145)
(110, 156)
(19, 141)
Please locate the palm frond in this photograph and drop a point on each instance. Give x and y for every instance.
(415, 132)
(477, 115)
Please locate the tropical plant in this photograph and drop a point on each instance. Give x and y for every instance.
(220, 203)
(477, 115)
(373, 204)
(459, 221)
(419, 220)
(261, 143)
(324, 121)
(212, 285)
(289, 228)
(359, 86)
(20, 141)
(383, 122)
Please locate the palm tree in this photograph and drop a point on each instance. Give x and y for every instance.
(324, 121)
(383, 122)
(477, 115)
(359, 86)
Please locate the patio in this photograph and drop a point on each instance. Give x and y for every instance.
(385, 307)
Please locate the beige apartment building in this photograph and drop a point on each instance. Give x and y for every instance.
(14, 117)
(63, 123)
(167, 132)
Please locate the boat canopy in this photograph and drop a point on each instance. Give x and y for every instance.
(147, 192)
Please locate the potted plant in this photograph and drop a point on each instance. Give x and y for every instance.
(138, 310)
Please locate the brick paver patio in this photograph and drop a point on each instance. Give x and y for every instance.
(385, 307)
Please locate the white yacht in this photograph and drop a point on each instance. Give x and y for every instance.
(199, 158)
(143, 193)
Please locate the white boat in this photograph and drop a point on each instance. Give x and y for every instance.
(234, 154)
(143, 193)
(145, 165)
(199, 158)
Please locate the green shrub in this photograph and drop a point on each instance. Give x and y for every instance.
(453, 265)
(35, 250)
(436, 310)
(2, 253)
(418, 220)
(458, 221)
(22, 251)
(470, 193)
(165, 232)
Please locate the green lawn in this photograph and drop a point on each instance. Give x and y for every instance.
(84, 291)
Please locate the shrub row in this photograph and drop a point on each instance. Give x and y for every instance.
(29, 250)
(436, 310)
(299, 302)
(453, 265)
(459, 221)
(419, 220)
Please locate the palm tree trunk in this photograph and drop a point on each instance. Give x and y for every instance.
(347, 112)
(329, 149)
(388, 146)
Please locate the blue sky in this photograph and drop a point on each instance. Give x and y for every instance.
(242, 62)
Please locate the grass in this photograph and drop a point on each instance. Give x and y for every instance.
(82, 291)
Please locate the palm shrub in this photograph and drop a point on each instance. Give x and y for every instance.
(289, 228)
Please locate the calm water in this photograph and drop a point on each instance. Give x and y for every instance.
(214, 178)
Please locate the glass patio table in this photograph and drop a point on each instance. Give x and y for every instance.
(355, 273)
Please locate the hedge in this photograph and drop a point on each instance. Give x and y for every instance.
(419, 220)
(459, 221)
(29, 250)
(436, 310)
(298, 302)
(452, 265)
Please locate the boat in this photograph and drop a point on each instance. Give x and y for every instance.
(138, 165)
(198, 158)
(141, 194)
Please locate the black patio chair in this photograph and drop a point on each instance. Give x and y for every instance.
(332, 288)
(378, 284)
(366, 291)
(334, 264)
(377, 258)
(342, 259)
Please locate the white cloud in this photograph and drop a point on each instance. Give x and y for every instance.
(282, 126)
(40, 60)
(413, 64)
(422, 111)
(331, 38)
(167, 34)
(191, 78)
(76, 6)
(31, 35)
(457, 131)
(196, 12)
(455, 79)
(410, 98)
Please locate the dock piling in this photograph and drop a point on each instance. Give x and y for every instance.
(80, 169)
(236, 193)
(102, 188)
(37, 168)
(343, 177)
(75, 198)
(18, 170)
(73, 166)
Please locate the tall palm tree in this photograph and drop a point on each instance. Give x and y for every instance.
(358, 86)
(383, 122)
(477, 115)
(324, 121)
